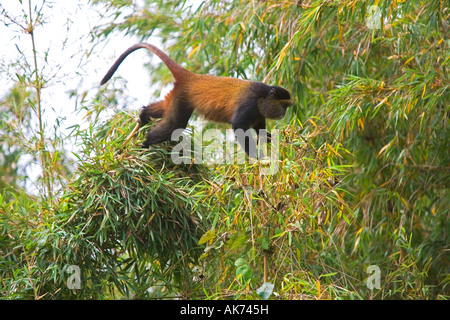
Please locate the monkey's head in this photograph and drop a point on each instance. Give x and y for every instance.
(274, 105)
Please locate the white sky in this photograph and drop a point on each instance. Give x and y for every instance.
(67, 65)
(65, 36)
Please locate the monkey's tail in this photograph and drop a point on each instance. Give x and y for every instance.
(174, 67)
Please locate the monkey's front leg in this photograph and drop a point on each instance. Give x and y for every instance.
(260, 128)
(245, 139)
(241, 123)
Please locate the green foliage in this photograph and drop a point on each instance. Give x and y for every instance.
(14, 111)
(372, 107)
(137, 206)
(362, 180)
(128, 219)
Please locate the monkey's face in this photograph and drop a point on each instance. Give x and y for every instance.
(274, 106)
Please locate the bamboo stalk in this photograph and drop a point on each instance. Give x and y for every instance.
(37, 86)
(136, 128)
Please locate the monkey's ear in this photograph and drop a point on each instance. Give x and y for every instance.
(271, 93)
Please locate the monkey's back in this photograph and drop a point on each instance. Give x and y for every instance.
(217, 98)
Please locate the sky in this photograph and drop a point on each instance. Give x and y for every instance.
(62, 43)
(65, 40)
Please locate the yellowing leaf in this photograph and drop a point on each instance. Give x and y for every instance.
(334, 151)
(361, 123)
(209, 235)
(404, 202)
(193, 51)
(359, 231)
(356, 243)
(87, 114)
(138, 179)
(406, 62)
(318, 288)
(151, 218)
(282, 54)
(386, 147)
(314, 124)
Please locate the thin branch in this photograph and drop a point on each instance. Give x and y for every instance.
(38, 87)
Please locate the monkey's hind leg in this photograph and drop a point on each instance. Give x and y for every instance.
(157, 109)
(160, 133)
(177, 118)
(153, 110)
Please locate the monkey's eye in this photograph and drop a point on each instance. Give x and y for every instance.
(271, 93)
